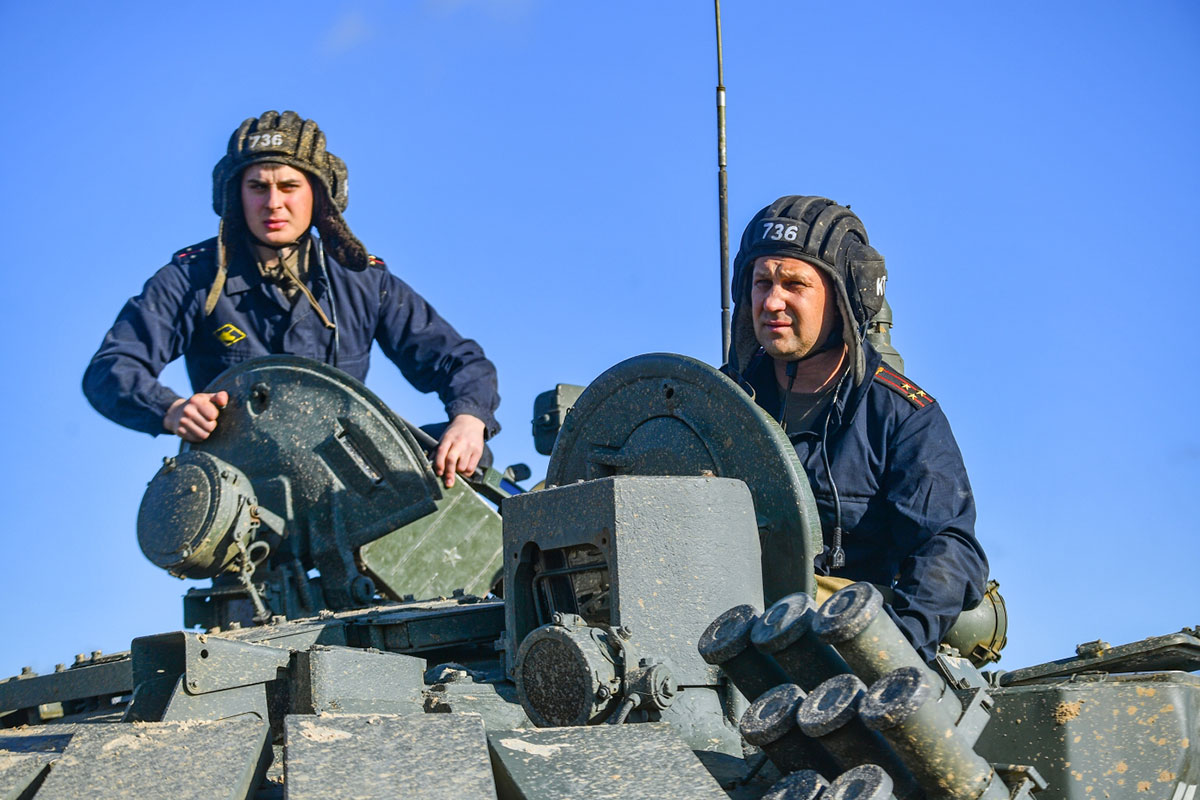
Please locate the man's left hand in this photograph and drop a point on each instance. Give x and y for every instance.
(460, 448)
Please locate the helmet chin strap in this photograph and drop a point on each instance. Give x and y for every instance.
(293, 275)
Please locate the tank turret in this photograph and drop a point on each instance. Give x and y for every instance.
(644, 625)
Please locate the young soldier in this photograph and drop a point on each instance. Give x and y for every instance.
(284, 275)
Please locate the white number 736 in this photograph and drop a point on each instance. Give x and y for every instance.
(776, 231)
(264, 139)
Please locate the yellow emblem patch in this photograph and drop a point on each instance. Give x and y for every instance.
(228, 334)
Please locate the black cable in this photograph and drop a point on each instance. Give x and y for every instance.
(790, 369)
(332, 299)
(837, 556)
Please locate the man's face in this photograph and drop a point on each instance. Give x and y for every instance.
(278, 201)
(793, 305)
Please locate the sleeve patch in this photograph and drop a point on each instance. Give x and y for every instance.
(903, 386)
(376, 261)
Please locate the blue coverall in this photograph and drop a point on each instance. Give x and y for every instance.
(908, 514)
(254, 318)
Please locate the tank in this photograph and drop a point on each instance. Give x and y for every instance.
(644, 624)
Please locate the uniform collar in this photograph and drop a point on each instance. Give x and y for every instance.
(242, 281)
(244, 275)
(243, 272)
(761, 378)
(850, 397)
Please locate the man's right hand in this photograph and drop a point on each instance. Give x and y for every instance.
(195, 418)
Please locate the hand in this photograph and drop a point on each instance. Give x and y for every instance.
(460, 448)
(195, 418)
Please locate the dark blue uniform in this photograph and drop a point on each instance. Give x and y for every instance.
(253, 318)
(908, 514)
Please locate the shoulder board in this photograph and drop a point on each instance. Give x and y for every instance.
(903, 386)
(376, 261)
(204, 249)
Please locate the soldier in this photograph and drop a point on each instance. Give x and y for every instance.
(267, 283)
(895, 503)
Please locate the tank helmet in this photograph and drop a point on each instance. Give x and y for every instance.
(283, 139)
(827, 235)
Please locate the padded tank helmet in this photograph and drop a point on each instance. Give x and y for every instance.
(832, 238)
(284, 139)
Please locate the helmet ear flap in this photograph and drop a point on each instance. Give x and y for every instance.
(867, 273)
(339, 180)
(220, 178)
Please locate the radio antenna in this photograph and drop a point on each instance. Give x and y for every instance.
(722, 194)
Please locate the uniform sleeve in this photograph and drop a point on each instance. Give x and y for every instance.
(943, 569)
(121, 382)
(434, 357)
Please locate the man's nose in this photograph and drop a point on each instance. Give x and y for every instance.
(274, 198)
(774, 300)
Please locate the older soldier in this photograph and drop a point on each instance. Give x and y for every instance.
(268, 283)
(895, 503)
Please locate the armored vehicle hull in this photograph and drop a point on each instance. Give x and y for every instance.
(657, 631)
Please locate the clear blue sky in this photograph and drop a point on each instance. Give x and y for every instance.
(544, 172)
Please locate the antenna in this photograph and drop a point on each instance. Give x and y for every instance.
(722, 194)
